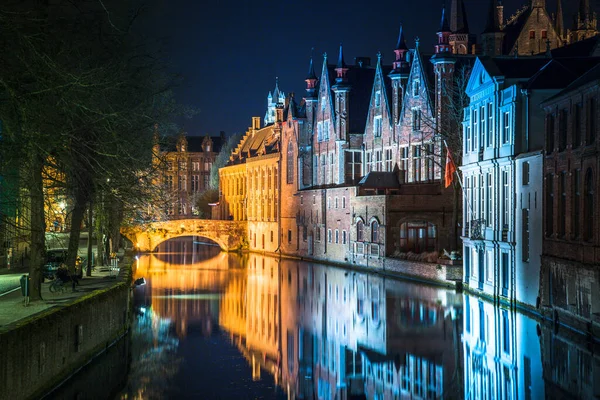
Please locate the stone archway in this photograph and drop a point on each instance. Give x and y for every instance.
(229, 235)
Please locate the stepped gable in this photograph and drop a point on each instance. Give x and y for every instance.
(259, 142)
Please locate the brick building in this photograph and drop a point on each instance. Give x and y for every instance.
(185, 170)
(570, 280)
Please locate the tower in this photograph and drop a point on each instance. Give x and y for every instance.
(399, 76)
(443, 34)
(559, 22)
(341, 90)
(273, 100)
(492, 37)
(586, 24)
(461, 40)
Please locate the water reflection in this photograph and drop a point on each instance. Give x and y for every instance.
(217, 325)
(330, 333)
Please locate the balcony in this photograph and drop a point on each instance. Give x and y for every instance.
(474, 229)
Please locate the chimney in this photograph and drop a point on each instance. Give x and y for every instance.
(255, 123)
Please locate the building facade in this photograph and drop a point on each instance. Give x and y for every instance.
(570, 289)
(185, 171)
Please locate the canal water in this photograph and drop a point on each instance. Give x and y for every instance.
(213, 325)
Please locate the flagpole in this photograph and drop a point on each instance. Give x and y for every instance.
(465, 198)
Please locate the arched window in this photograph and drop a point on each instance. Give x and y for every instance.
(290, 163)
(588, 206)
(359, 231)
(374, 232)
(417, 236)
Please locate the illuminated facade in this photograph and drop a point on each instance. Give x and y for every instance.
(186, 170)
(249, 184)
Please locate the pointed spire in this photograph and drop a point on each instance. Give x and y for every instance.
(444, 27)
(341, 63)
(276, 91)
(401, 44)
(584, 8)
(341, 67)
(559, 23)
(492, 24)
(458, 17)
(311, 79)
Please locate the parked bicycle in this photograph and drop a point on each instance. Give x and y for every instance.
(62, 278)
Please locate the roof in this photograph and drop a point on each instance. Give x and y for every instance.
(296, 110)
(361, 81)
(513, 29)
(560, 73)
(380, 180)
(255, 143)
(194, 143)
(514, 68)
(592, 75)
(583, 48)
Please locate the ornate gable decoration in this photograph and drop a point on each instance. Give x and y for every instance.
(479, 79)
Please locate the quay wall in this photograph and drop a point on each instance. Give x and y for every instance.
(40, 352)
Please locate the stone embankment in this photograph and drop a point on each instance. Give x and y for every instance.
(38, 352)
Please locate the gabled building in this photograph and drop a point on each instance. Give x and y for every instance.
(185, 170)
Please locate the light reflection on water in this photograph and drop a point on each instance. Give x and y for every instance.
(218, 325)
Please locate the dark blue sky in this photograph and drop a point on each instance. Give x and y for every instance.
(229, 52)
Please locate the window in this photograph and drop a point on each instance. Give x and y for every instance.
(272, 237)
(562, 130)
(344, 238)
(378, 160)
(329, 237)
(531, 34)
(475, 129)
(506, 333)
(337, 236)
(415, 88)
(488, 198)
(377, 126)
(368, 163)
(353, 166)
(378, 98)
(467, 133)
(429, 162)
(482, 188)
(506, 130)
(374, 232)
(550, 133)
(590, 133)
(576, 199)
(195, 183)
(344, 202)
(318, 236)
(404, 158)
(490, 125)
(388, 160)
(359, 231)
(525, 177)
(577, 126)
(417, 236)
(562, 205)
(336, 202)
(482, 126)
(544, 34)
(525, 234)
(416, 119)
(549, 204)
(416, 163)
(289, 236)
(304, 233)
(588, 206)
(323, 103)
(290, 163)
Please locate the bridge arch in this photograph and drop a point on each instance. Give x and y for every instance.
(229, 235)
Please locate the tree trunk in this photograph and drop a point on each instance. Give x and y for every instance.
(76, 220)
(88, 271)
(100, 229)
(38, 226)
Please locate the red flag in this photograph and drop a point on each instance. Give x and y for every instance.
(450, 169)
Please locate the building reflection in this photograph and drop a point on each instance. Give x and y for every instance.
(328, 333)
(184, 283)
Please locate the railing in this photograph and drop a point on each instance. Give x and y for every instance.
(474, 230)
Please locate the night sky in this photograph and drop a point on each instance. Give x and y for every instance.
(229, 52)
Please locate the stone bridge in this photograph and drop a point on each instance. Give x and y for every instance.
(230, 235)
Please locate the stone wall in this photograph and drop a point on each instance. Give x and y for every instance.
(40, 352)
